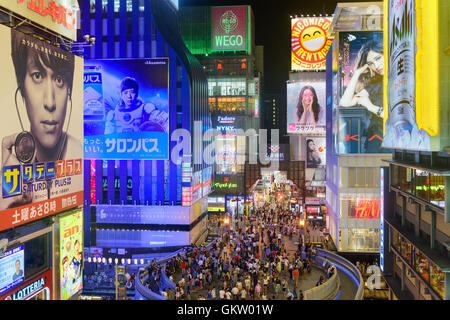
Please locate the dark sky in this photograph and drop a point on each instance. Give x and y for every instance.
(272, 27)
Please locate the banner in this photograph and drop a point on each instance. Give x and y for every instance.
(60, 16)
(310, 43)
(316, 153)
(229, 28)
(401, 129)
(126, 109)
(71, 254)
(306, 107)
(361, 67)
(41, 128)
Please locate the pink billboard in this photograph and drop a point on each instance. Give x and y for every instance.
(229, 28)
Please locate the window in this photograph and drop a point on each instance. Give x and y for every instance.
(402, 178)
(437, 190)
(422, 265)
(396, 241)
(406, 250)
(437, 279)
(36, 255)
(422, 182)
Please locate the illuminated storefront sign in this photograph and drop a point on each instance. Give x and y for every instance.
(58, 16)
(229, 29)
(186, 196)
(40, 286)
(310, 43)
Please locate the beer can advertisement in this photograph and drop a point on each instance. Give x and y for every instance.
(126, 109)
(41, 129)
(310, 43)
(401, 128)
(71, 254)
(306, 107)
(361, 73)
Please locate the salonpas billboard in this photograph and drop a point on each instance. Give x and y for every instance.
(229, 28)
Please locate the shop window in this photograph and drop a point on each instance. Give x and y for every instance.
(422, 185)
(437, 190)
(406, 250)
(422, 265)
(437, 279)
(36, 255)
(402, 178)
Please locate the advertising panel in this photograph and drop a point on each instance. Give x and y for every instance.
(196, 186)
(310, 43)
(316, 153)
(401, 128)
(41, 129)
(39, 288)
(12, 268)
(226, 154)
(207, 180)
(60, 16)
(71, 254)
(361, 92)
(306, 107)
(126, 109)
(229, 28)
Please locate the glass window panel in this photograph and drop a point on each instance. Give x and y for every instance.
(437, 279)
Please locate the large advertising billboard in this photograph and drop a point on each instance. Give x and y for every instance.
(316, 153)
(361, 73)
(71, 254)
(401, 128)
(41, 129)
(229, 28)
(310, 43)
(306, 107)
(12, 268)
(126, 109)
(60, 16)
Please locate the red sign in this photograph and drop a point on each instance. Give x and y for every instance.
(229, 28)
(310, 43)
(42, 283)
(315, 210)
(366, 209)
(15, 217)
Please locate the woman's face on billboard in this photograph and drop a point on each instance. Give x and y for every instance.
(375, 61)
(46, 94)
(308, 97)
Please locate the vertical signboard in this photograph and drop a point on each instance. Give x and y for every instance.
(71, 254)
(41, 129)
(309, 43)
(126, 108)
(229, 28)
(401, 127)
(12, 270)
(382, 218)
(316, 154)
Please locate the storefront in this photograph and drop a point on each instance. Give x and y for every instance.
(39, 288)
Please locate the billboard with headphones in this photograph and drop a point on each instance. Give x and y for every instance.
(41, 129)
(126, 109)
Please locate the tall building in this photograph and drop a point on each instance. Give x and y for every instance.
(138, 203)
(223, 40)
(415, 242)
(41, 215)
(355, 128)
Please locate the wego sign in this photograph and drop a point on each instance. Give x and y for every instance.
(229, 30)
(310, 43)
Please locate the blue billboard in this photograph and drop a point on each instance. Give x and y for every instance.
(12, 267)
(126, 109)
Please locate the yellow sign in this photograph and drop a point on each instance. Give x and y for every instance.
(310, 43)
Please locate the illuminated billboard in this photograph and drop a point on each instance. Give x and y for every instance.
(60, 16)
(229, 28)
(71, 254)
(361, 71)
(306, 107)
(196, 186)
(126, 109)
(41, 129)
(12, 268)
(310, 43)
(207, 180)
(316, 153)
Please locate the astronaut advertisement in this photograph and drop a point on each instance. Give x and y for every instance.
(41, 129)
(126, 109)
(401, 129)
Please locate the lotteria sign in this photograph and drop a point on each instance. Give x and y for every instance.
(310, 43)
(229, 28)
(42, 283)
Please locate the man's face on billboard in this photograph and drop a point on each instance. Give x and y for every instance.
(128, 97)
(46, 94)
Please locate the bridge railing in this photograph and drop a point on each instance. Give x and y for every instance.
(329, 290)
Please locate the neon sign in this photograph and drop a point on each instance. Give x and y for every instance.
(229, 28)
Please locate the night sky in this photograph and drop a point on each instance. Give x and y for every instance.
(272, 28)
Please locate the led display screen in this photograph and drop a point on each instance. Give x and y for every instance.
(361, 71)
(306, 107)
(126, 109)
(11, 268)
(41, 129)
(310, 43)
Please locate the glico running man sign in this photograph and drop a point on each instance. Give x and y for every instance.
(310, 43)
(229, 28)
